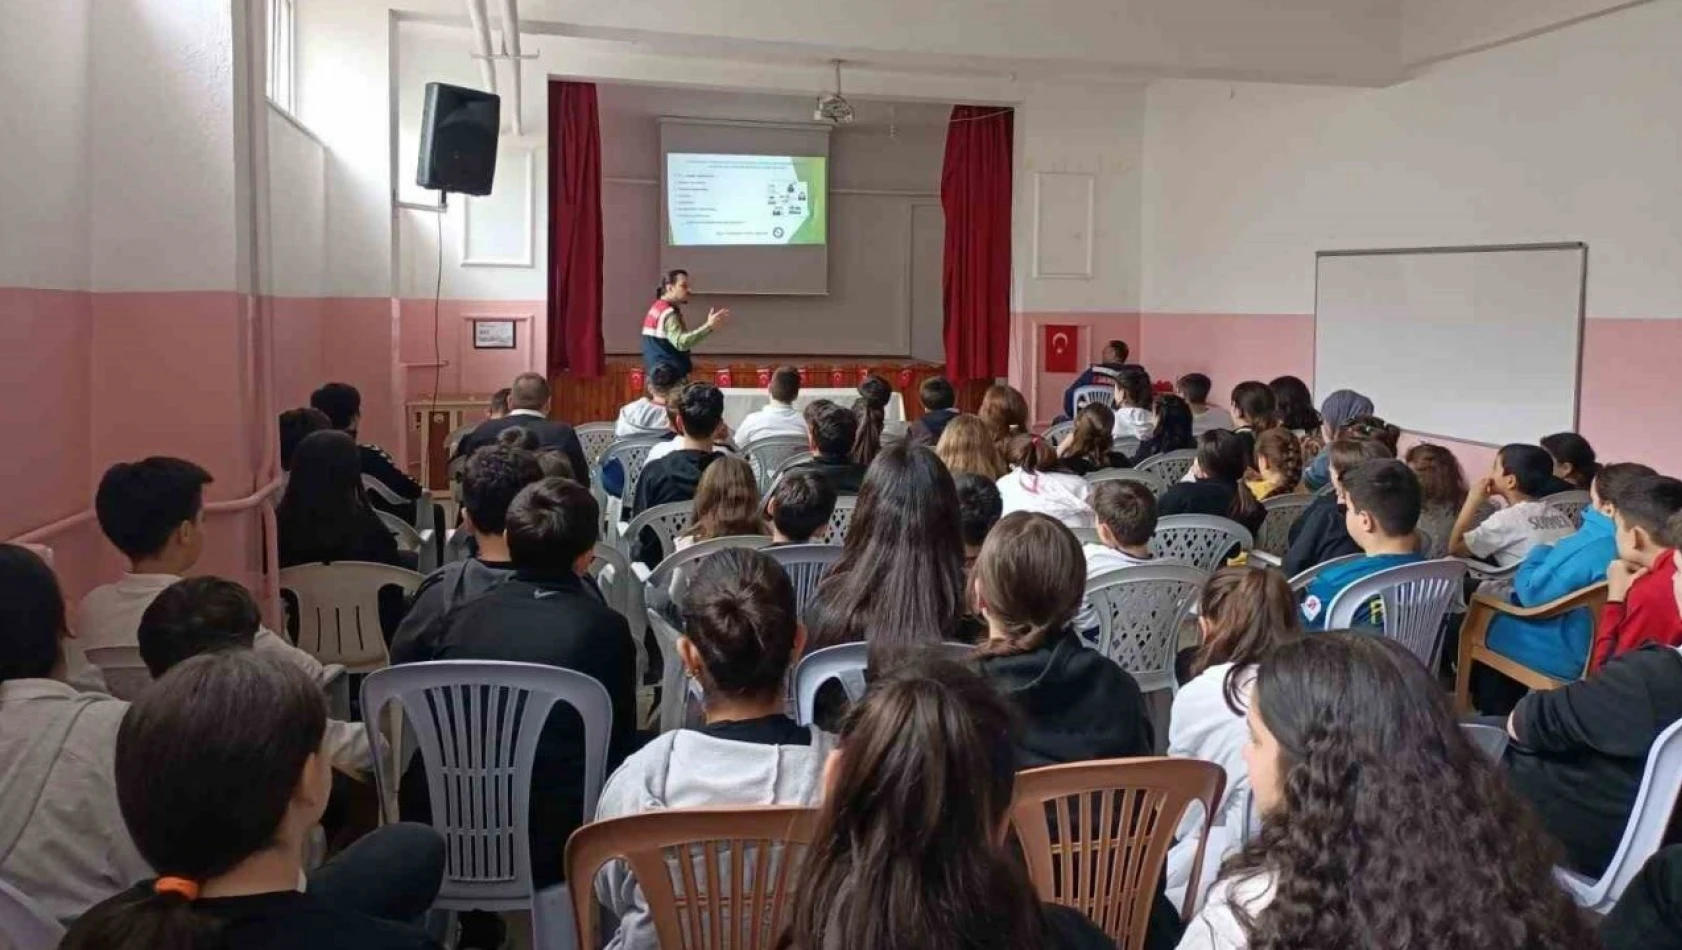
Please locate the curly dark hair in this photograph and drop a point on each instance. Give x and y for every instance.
(1391, 830)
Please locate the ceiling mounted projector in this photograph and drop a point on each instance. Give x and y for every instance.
(834, 107)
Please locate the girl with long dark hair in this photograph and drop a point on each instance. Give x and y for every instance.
(911, 850)
(871, 407)
(323, 516)
(1295, 406)
(1173, 431)
(1218, 485)
(1091, 446)
(1383, 827)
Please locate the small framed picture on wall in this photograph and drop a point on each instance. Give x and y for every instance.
(493, 334)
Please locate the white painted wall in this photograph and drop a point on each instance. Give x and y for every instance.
(1435, 28)
(295, 233)
(44, 124)
(1572, 135)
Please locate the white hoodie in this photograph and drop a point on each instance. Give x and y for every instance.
(642, 417)
(690, 769)
(1058, 494)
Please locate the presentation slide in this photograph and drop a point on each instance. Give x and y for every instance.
(722, 200)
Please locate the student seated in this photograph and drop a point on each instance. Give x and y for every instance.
(1649, 914)
(1378, 861)
(1442, 490)
(741, 637)
(1076, 705)
(1255, 412)
(498, 405)
(493, 476)
(1337, 412)
(1036, 482)
(1638, 608)
(938, 400)
(324, 515)
(1383, 500)
(1005, 412)
(1574, 463)
(832, 430)
(1505, 537)
(647, 416)
(1126, 513)
(871, 408)
(207, 614)
(153, 511)
(913, 846)
(677, 476)
(1320, 533)
(779, 417)
(528, 401)
(294, 425)
(1194, 389)
(1111, 362)
(967, 447)
(1243, 614)
(66, 846)
(342, 404)
(1559, 646)
(799, 508)
(1173, 431)
(1295, 405)
(726, 503)
(545, 613)
(221, 779)
(1091, 446)
(1135, 421)
(1217, 486)
(979, 509)
(1278, 463)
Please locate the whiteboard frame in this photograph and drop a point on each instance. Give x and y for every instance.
(1581, 247)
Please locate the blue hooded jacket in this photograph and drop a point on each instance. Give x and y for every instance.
(1557, 647)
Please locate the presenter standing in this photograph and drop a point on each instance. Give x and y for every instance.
(665, 338)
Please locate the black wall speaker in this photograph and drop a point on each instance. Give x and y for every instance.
(458, 139)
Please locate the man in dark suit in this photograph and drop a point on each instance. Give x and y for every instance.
(528, 406)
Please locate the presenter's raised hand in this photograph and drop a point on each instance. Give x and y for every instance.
(717, 318)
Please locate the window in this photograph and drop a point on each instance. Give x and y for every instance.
(280, 53)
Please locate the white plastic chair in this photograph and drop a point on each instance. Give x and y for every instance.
(1201, 541)
(1282, 512)
(767, 455)
(410, 541)
(805, 565)
(1415, 599)
(477, 725)
(126, 675)
(666, 577)
(1168, 466)
(846, 663)
(623, 592)
(1054, 435)
(674, 679)
(1490, 740)
(632, 455)
(24, 924)
(1147, 479)
(666, 521)
(1570, 504)
(783, 467)
(595, 438)
(339, 609)
(1098, 392)
(1139, 614)
(1300, 582)
(841, 519)
(1648, 820)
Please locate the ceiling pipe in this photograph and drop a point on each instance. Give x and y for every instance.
(482, 37)
(511, 49)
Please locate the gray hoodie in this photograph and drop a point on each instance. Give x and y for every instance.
(689, 769)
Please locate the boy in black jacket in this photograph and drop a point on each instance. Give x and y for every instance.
(1320, 533)
(698, 409)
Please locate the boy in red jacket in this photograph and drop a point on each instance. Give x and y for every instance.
(1640, 607)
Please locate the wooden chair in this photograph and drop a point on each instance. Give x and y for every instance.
(1474, 634)
(1095, 834)
(712, 877)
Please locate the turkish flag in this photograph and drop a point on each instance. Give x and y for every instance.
(1061, 348)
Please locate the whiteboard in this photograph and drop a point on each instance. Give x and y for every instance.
(1477, 344)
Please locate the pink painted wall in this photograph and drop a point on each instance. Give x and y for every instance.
(358, 335)
(300, 347)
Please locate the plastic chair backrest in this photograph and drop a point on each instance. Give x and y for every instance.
(408, 539)
(595, 438)
(805, 565)
(1300, 582)
(126, 675)
(339, 609)
(624, 593)
(661, 576)
(631, 454)
(666, 521)
(1201, 541)
(385, 494)
(1415, 601)
(1490, 740)
(1649, 818)
(1570, 504)
(1148, 479)
(711, 877)
(1054, 435)
(845, 663)
(477, 725)
(1094, 834)
(1139, 614)
(1168, 466)
(793, 461)
(24, 924)
(768, 454)
(1282, 512)
(841, 519)
(1099, 392)
(674, 679)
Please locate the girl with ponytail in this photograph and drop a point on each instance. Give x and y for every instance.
(1076, 704)
(220, 777)
(1278, 462)
(871, 407)
(1038, 481)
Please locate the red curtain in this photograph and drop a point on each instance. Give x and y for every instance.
(975, 195)
(575, 231)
